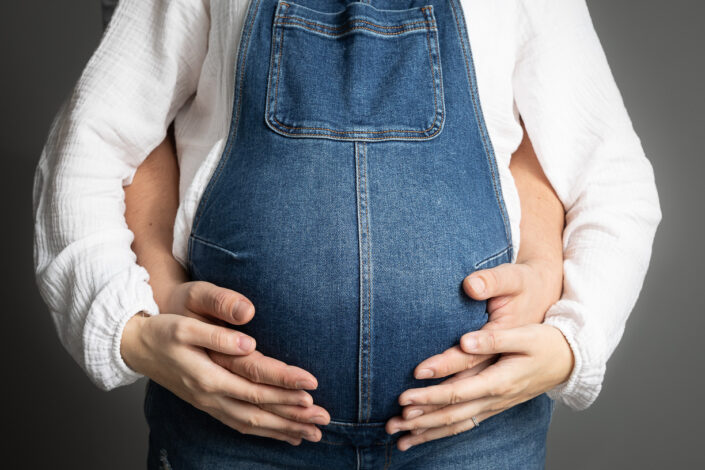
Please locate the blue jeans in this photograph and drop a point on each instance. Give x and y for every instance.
(357, 189)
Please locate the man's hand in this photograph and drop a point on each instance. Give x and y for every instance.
(519, 294)
(535, 358)
(217, 369)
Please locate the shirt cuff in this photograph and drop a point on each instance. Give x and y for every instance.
(127, 294)
(585, 380)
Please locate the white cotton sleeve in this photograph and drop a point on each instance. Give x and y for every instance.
(146, 66)
(587, 146)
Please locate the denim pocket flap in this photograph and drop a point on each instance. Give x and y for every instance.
(356, 74)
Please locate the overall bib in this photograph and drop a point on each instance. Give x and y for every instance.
(357, 189)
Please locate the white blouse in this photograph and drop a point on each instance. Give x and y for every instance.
(161, 60)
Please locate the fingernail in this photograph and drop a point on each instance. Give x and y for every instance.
(394, 430)
(414, 414)
(477, 284)
(424, 374)
(304, 384)
(470, 343)
(311, 436)
(246, 343)
(405, 402)
(416, 431)
(240, 310)
(404, 446)
(318, 419)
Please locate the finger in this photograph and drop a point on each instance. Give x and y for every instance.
(411, 411)
(446, 416)
(208, 299)
(503, 319)
(449, 362)
(421, 435)
(213, 337)
(505, 279)
(496, 303)
(467, 389)
(242, 389)
(253, 419)
(266, 370)
(494, 341)
(313, 414)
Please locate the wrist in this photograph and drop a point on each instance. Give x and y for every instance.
(164, 292)
(564, 356)
(131, 344)
(549, 271)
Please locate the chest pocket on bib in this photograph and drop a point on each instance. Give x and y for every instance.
(355, 74)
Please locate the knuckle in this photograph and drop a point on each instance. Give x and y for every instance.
(193, 293)
(491, 340)
(455, 397)
(208, 384)
(469, 362)
(492, 280)
(254, 396)
(252, 371)
(221, 301)
(243, 428)
(219, 339)
(448, 419)
(252, 421)
(493, 390)
(189, 383)
(501, 388)
(180, 330)
(201, 402)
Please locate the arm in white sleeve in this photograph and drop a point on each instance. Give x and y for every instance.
(586, 144)
(146, 66)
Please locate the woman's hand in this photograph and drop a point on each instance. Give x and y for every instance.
(516, 294)
(519, 294)
(535, 358)
(216, 368)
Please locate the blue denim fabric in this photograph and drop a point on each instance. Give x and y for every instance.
(357, 189)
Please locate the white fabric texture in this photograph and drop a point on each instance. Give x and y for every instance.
(161, 60)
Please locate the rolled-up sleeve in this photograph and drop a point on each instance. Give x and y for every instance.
(145, 68)
(587, 146)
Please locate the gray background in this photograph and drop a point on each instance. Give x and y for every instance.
(649, 414)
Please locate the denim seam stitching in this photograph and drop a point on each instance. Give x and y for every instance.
(387, 455)
(361, 287)
(435, 102)
(215, 246)
(354, 20)
(492, 257)
(396, 33)
(272, 116)
(372, 424)
(369, 285)
(482, 130)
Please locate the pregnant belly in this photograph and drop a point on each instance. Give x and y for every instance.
(356, 280)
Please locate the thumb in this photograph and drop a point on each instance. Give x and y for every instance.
(209, 299)
(505, 279)
(496, 341)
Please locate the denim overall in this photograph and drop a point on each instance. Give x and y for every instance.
(357, 189)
